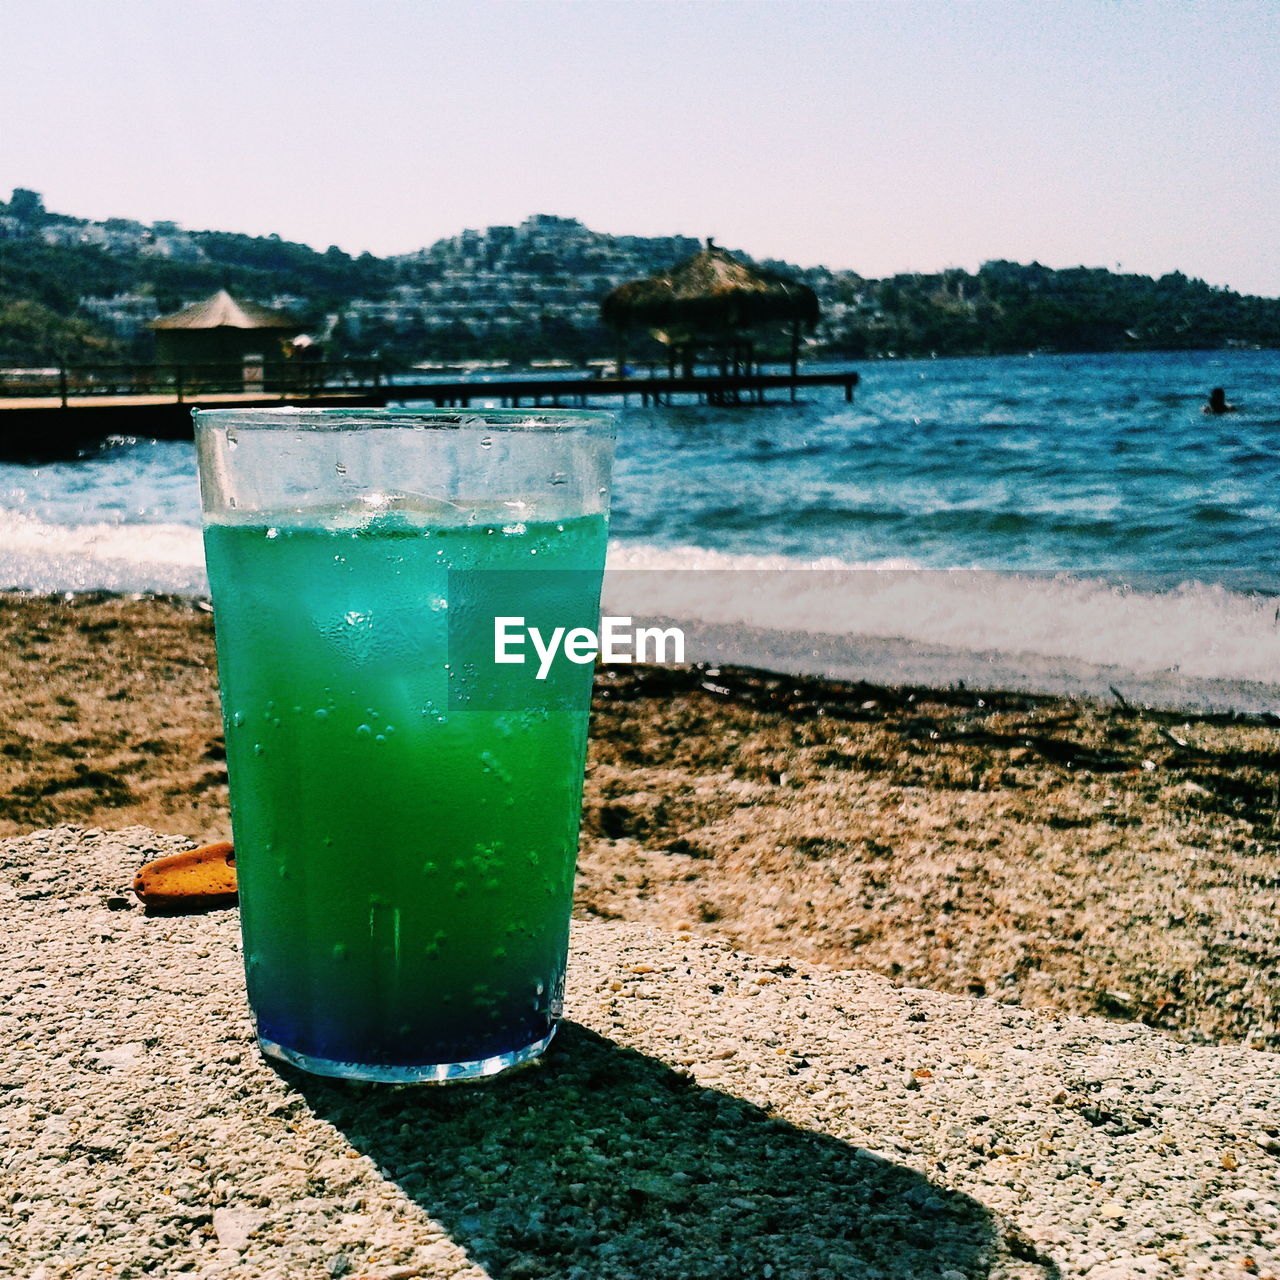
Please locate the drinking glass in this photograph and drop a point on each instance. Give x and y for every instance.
(404, 810)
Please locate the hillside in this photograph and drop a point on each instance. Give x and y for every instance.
(76, 290)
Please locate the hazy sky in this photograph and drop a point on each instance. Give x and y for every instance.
(880, 135)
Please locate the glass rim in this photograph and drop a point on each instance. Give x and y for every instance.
(314, 418)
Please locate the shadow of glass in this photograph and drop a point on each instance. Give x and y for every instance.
(603, 1162)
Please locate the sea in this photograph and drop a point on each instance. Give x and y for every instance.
(1059, 523)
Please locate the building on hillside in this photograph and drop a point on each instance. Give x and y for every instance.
(127, 315)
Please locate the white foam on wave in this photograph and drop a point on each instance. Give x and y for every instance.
(37, 556)
(140, 543)
(640, 555)
(1199, 630)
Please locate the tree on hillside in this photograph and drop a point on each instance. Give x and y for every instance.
(27, 206)
(29, 327)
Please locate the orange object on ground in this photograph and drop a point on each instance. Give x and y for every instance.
(199, 878)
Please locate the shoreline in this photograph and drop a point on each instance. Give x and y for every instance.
(921, 666)
(1063, 853)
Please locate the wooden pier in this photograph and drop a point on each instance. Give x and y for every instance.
(68, 411)
(722, 389)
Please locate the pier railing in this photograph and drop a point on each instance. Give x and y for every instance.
(181, 382)
(53, 412)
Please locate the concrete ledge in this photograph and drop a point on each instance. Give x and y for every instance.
(704, 1114)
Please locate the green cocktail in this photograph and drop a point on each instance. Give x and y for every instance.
(405, 813)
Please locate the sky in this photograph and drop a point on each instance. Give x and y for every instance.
(874, 135)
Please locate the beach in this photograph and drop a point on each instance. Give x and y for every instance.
(1075, 855)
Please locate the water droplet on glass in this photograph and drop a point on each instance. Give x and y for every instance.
(364, 731)
(321, 713)
(339, 950)
(233, 440)
(558, 477)
(340, 468)
(487, 442)
(273, 533)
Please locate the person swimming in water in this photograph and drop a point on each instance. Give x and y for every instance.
(1217, 402)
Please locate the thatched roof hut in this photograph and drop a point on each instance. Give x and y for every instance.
(711, 300)
(711, 295)
(221, 333)
(222, 311)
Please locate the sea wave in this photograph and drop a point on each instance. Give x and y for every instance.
(1158, 625)
(42, 557)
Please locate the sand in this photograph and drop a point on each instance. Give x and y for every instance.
(1067, 855)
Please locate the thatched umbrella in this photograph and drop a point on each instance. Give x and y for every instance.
(711, 298)
(222, 311)
(220, 334)
(220, 330)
